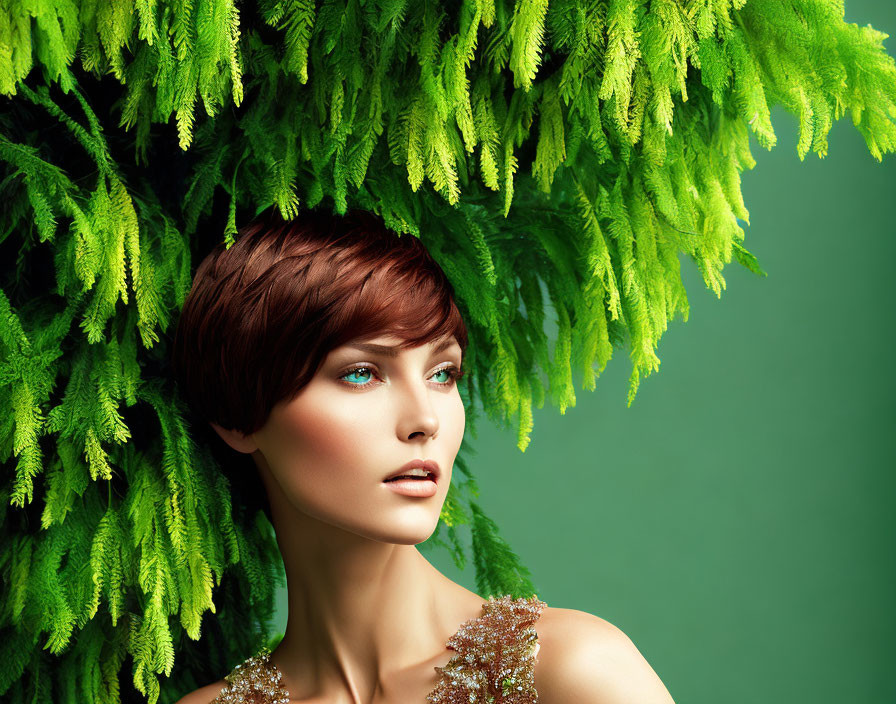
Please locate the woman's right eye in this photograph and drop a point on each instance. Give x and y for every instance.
(355, 372)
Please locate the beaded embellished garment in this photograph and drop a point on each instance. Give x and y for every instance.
(494, 662)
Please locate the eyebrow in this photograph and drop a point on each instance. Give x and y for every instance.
(392, 351)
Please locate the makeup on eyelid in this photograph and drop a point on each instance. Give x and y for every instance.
(452, 370)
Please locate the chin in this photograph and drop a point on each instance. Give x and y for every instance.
(408, 533)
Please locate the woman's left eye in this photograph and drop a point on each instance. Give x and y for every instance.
(452, 372)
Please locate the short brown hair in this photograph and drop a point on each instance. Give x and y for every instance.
(262, 316)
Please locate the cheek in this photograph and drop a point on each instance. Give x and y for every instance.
(456, 419)
(322, 467)
(330, 438)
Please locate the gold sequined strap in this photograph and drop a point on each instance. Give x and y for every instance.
(495, 658)
(254, 681)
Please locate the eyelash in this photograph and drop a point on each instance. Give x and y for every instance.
(453, 371)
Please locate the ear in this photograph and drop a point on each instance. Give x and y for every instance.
(236, 440)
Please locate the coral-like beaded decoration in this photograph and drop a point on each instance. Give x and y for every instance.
(494, 662)
(255, 681)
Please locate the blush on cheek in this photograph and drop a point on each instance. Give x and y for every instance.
(328, 438)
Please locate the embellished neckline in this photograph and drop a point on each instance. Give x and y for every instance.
(494, 658)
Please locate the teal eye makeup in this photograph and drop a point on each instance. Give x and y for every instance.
(355, 372)
(359, 377)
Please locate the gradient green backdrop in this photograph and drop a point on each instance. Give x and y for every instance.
(749, 548)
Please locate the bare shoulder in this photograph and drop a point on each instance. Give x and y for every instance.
(203, 695)
(586, 659)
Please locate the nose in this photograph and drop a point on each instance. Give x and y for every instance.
(418, 418)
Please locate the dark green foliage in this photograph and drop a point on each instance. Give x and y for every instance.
(561, 153)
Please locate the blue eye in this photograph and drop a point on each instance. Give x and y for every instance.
(444, 371)
(452, 372)
(355, 371)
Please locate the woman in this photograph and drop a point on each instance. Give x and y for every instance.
(328, 350)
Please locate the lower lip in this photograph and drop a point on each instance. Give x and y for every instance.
(413, 487)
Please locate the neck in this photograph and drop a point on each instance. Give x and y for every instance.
(361, 612)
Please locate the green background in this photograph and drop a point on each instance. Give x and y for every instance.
(748, 548)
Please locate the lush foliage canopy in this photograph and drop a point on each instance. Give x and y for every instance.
(564, 152)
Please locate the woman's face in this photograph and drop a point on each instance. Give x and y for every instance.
(366, 412)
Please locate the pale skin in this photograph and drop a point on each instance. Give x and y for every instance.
(369, 616)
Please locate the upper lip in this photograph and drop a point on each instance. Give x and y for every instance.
(429, 465)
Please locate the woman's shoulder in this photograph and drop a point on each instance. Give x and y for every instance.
(203, 695)
(585, 658)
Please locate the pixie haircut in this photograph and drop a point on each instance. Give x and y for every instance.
(262, 316)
